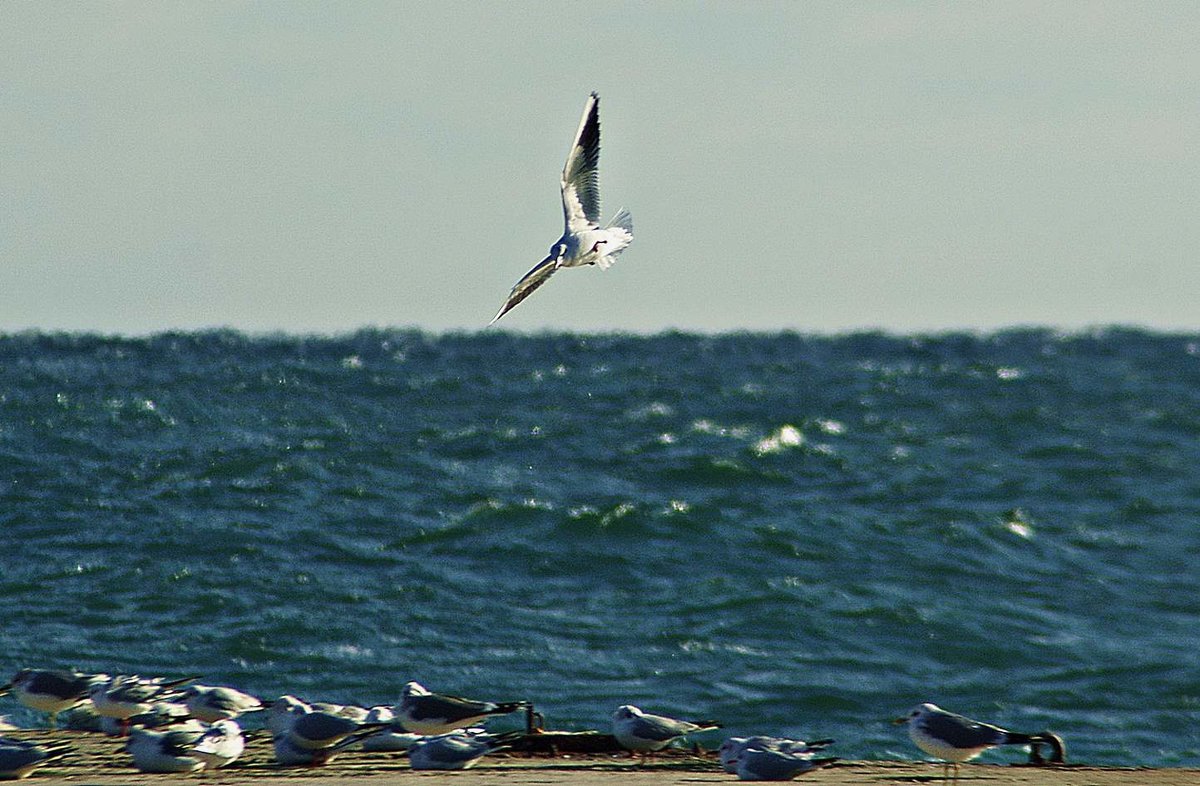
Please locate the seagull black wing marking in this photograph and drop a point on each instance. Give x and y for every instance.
(960, 732)
(581, 174)
(539, 275)
(179, 743)
(449, 708)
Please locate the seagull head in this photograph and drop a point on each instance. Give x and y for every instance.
(558, 251)
(916, 712)
(626, 711)
(289, 705)
(227, 727)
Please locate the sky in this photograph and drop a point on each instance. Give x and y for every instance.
(821, 167)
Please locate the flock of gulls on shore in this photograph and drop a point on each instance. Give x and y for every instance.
(178, 725)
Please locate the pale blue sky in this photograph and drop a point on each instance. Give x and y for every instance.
(320, 167)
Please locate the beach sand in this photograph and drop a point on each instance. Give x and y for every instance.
(101, 760)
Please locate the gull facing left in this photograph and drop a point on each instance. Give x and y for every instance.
(583, 241)
(644, 733)
(424, 712)
(19, 758)
(955, 739)
(215, 703)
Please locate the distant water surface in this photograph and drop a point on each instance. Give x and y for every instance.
(792, 534)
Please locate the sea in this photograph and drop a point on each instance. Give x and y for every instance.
(793, 534)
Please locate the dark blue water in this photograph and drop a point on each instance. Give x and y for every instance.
(795, 535)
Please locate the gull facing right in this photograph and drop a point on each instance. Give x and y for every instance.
(583, 241)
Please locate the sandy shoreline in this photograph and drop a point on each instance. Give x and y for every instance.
(100, 760)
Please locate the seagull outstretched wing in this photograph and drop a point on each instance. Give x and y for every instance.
(539, 275)
(581, 176)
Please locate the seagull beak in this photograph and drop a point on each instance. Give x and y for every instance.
(900, 721)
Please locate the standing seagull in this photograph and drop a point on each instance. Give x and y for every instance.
(955, 739)
(211, 703)
(125, 696)
(52, 690)
(19, 758)
(584, 241)
(426, 713)
(645, 733)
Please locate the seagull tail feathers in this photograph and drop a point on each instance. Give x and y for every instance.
(1017, 738)
(624, 220)
(620, 234)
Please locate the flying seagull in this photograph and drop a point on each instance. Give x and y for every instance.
(583, 241)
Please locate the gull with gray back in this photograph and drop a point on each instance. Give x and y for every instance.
(214, 703)
(458, 750)
(731, 749)
(220, 745)
(772, 764)
(52, 690)
(955, 738)
(163, 751)
(423, 712)
(19, 758)
(645, 733)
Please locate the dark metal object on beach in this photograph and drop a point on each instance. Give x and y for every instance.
(1058, 750)
(537, 740)
(552, 743)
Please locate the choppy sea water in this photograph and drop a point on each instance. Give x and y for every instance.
(792, 534)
